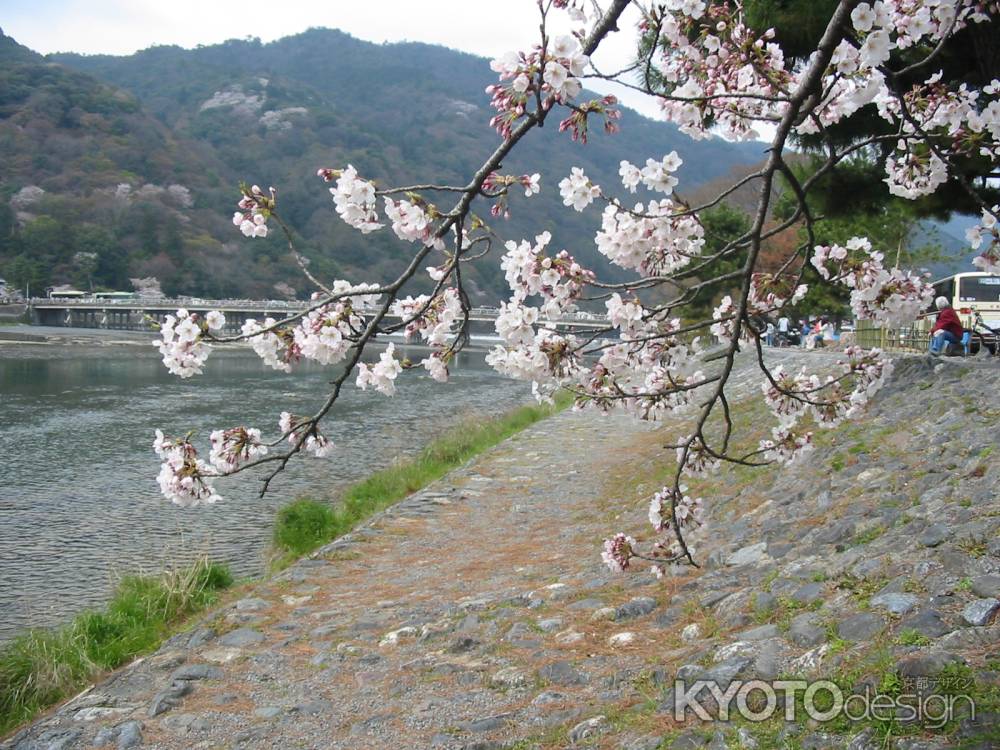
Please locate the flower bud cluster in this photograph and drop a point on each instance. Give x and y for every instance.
(236, 446)
(617, 553)
(578, 121)
(255, 209)
(496, 185)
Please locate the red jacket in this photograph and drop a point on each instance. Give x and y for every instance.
(948, 320)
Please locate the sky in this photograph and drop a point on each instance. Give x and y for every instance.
(483, 27)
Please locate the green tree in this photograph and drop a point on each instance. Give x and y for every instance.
(723, 224)
(23, 273)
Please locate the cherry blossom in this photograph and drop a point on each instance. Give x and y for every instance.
(712, 75)
(354, 198)
(184, 478)
(892, 297)
(577, 190)
(294, 427)
(382, 375)
(184, 353)
(618, 552)
(987, 230)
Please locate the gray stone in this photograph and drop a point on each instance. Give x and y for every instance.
(927, 622)
(200, 637)
(765, 602)
(761, 633)
(105, 736)
(56, 739)
(865, 740)
(804, 631)
(713, 597)
(242, 637)
(550, 624)
(561, 673)
(980, 612)
(809, 593)
(821, 741)
(836, 532)
(268, 712)
(252, 605)
(934, 534)
(462, 645)
(197, 672)
(987, 587)
(488, 724)
(129, 735)
(860, 627)
(314, 708)
(769, 661)
(169, 698)
(637, 607)
(750, 555)
(589, 603)
(897, 604)
(925, 663)
(588, 729)
(728, 670)
(547, 697)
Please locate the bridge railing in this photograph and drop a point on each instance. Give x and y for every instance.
(164, 303)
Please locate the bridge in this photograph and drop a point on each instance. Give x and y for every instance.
(139, 314)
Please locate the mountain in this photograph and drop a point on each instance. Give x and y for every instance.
(139, 158)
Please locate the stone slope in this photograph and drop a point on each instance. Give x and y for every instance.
(477, 614)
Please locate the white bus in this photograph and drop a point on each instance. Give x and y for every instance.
(970, 293)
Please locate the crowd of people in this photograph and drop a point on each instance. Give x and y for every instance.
(807, 333)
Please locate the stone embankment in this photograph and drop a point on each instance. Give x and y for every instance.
(477, 613)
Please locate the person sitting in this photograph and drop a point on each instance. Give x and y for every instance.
(947, 329)
(829, 333)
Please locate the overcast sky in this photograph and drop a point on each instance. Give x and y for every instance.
(120, 27)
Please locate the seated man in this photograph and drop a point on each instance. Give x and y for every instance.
(948, 328)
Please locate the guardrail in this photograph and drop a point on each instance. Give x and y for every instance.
(912, 338)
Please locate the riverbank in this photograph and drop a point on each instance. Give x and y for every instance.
(43, 666)
(477, 613)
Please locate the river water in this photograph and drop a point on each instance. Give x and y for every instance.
(79, 503)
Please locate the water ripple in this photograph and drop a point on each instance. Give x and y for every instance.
(78, 498)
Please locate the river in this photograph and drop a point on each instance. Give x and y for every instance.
(79, 503)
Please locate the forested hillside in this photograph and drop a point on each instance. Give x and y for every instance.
(123, 167)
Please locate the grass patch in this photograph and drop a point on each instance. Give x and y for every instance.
(303, 525)
(306, 525)
(43, 666)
